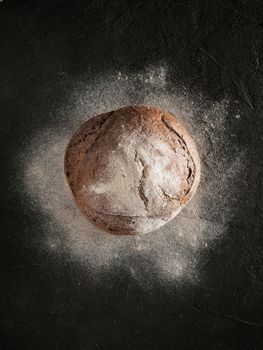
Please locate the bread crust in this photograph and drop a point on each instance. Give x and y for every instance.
(132, 170)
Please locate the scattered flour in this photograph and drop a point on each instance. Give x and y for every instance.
(170, 254)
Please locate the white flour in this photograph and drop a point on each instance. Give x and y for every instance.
(170, 254)
(118, 178)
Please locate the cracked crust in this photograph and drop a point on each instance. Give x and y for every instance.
(132, 170)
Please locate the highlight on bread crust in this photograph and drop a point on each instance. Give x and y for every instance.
(132, 170)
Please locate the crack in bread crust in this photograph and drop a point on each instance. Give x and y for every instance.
(175, 198)
(142, 181)
(191, 168)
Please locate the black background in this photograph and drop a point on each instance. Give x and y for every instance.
(216, 46)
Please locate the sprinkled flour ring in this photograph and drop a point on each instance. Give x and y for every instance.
(173, 253)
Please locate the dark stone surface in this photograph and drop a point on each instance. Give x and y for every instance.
(216, 46)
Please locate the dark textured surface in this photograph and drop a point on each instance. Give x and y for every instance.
(214, 46)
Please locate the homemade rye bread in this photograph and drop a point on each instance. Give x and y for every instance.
(132, 170)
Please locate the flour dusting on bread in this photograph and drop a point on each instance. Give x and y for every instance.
(136, 174)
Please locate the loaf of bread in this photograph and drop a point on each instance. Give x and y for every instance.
(132, 170)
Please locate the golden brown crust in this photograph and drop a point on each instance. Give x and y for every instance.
(122, 168)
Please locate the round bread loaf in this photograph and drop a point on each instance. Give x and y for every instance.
(132, 170)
